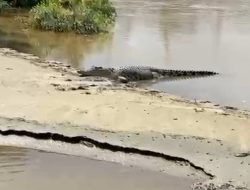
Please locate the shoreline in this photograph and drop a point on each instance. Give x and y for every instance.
(51, 95)
(52, 92)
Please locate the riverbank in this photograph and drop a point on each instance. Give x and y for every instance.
(53, 97)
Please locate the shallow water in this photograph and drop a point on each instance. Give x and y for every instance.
(177, 34)
(22, 169)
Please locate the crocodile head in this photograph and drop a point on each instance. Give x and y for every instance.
(98, 71)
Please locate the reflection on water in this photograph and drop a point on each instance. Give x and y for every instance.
(12, 162)
(177, 34)
(69, 48)
(22, 169)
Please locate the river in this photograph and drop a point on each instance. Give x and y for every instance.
(178, 34)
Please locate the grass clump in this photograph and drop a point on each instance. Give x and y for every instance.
(80, 16)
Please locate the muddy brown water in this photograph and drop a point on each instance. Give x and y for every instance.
(22, 169)
(177, 34)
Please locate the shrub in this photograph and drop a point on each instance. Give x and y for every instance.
(23, 3)
(80, 16)
(3, 5)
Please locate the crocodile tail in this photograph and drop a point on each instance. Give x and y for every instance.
(188, 73)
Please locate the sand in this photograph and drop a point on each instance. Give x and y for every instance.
(31, 92)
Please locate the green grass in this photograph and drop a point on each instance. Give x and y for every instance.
(80, 16)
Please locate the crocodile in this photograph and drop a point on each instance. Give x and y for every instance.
(134, 73)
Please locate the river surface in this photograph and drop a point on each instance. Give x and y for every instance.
(177, 34)
(22, 169)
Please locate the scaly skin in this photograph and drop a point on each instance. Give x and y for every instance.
(143, 73)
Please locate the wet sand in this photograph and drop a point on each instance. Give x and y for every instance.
(22, 169)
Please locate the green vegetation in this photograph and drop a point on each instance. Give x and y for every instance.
(3, 5)
(79, 16)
